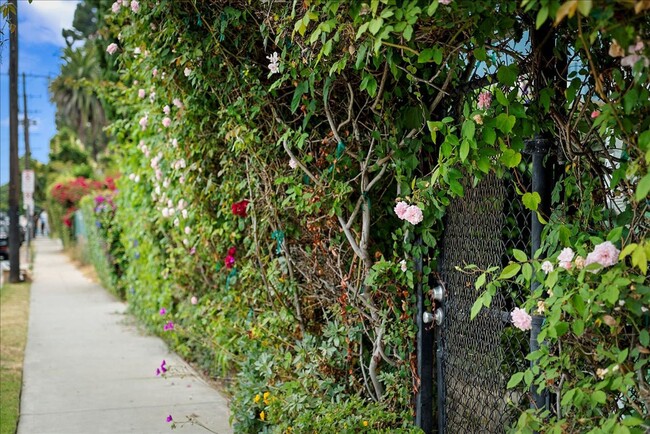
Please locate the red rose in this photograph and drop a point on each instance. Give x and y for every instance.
(239, 208)
(232, 251)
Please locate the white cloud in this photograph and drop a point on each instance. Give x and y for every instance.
(43, 20)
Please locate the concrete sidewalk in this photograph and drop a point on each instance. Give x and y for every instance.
(87, 371)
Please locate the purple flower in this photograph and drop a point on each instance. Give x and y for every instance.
(163, 311)
(169, 418)
(169, 326)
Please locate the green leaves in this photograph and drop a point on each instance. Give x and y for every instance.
(301, 89)
(531, 200)
(433, 54)
(507, 74)
(510, 271)
(505, 122)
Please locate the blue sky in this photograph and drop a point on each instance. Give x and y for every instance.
(39, 53)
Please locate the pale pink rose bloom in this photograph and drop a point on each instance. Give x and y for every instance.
(400, 209)
(565, 265)
(125, 3)
(484, 100)
(115, 7)
(566, 255)
(166, 109)
(413, 215)
(144, 121)
(166, 122)
(632, 59)
(135, 6)
(137, 50)
(112, 48)
(187, 230)
(402, 265)
(293, 163)
(165, 212)
(177, 222)
(444, 2)
(177, 102)
(547, 267)
(605, 254)
(595, 114)
(154, 72)
(194, 300)
(132, 176)
(187, 72)
(141, 93)
(181, 179)
(184, 213)
(521, 319)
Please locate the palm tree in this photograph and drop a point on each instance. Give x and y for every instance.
(78, 105)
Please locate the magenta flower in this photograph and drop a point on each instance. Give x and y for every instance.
(230, 261)
(162, 368)
(484, 100)
(521, 319)
(163, 311)
(169, 418)
(168, 326)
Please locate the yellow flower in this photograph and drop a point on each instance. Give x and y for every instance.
(257, 398)
(365, 423)
(266, 398)
(263, 416)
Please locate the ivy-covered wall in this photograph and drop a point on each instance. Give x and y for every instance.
(280, 159)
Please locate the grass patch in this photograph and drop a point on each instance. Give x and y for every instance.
(14, 311)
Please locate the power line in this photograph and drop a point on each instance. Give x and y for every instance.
(50, 76)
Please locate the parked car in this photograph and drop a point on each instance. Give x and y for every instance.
(4, 239)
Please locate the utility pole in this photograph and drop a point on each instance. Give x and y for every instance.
(14, 173)
(30, 209)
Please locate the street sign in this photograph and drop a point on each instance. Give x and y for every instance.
(28, 182)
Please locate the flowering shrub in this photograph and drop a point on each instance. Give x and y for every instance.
(322, 113)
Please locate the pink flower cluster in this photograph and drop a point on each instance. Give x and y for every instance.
(521, 319)
(634, 54)
(411, 213)
(135, 5)
(484, 100)
(168, 326)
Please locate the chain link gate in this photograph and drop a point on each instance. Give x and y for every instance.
(476, 358)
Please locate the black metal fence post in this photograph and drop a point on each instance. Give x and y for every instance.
(424, 396)
(542, 183)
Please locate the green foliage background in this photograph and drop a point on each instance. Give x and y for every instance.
(374, 102)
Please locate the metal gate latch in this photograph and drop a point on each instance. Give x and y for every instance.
(438, 293)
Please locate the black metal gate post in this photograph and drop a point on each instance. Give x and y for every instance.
(542, 184)
(424, 396)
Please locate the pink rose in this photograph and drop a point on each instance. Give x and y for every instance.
(595, 114)
(141, 93)
(444, 2)
(166, 109)
(166, 122)
(605, 254)
(484, 100)
(194, 300)
(115, 7)
(112, 48)
(144, 121)
(413, 215)
(565, 257)
(547, 267)
(177, 102)
(135, 6)
(521, 319)
(400, 209)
